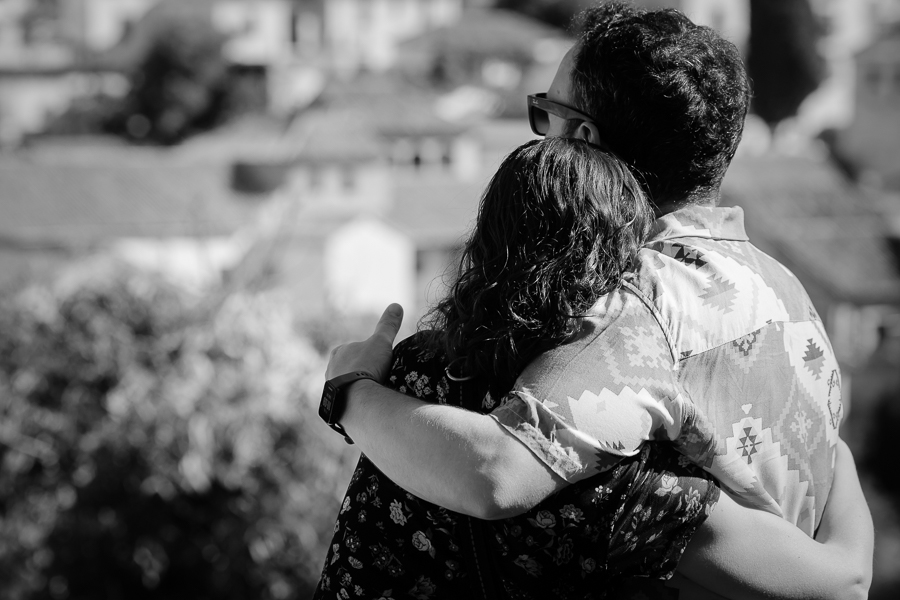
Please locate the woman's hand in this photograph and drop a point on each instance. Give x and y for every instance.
(464, 461)
(373, 354)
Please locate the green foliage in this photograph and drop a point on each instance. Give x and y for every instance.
(782, 59)
(179, 86)
(149, 450)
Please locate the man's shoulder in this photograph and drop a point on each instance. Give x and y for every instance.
(620, 344)
(708, 291)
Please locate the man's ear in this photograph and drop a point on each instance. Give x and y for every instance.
(588, 132)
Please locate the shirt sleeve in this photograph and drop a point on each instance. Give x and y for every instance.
(582, 407)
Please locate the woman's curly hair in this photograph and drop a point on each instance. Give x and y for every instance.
(559, 225)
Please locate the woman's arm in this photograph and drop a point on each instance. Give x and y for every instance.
(744, 553)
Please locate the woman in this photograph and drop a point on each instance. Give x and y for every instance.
(559, 226)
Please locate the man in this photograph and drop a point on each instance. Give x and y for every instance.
(711, 345)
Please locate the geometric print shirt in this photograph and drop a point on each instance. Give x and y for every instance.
(710, 344)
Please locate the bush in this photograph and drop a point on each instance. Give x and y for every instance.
(149, 449)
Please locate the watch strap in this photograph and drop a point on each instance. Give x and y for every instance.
(334, 401)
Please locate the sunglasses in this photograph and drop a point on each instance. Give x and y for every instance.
(540, 109)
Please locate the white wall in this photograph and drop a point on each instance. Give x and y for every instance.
(365, 33)
(366, 187)
(368, 265)
(731, 18)
(26, 102)
(104, 21)
(260, 30)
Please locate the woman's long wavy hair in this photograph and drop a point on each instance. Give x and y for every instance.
(559, 225)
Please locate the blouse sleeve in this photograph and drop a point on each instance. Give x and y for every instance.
(660, 512)
(417, 372)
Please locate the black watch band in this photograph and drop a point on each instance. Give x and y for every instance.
(334, 399)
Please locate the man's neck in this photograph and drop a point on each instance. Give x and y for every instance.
(709, 199)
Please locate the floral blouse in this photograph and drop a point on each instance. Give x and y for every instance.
(616, 534)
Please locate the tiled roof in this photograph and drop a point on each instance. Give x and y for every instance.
(336, 134)
(80, 204)
(247, 137)
(434, 212)
(318, 223)
(389, 102)
(487, 32)
(825, 229)
(356, 119)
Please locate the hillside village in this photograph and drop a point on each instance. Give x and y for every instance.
(352, 180)
(348, 152)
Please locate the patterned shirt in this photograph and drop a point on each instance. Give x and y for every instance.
(712, 345)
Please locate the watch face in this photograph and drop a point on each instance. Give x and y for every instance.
(331, 407)
(326, 406)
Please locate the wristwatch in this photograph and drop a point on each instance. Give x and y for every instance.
(334, 400)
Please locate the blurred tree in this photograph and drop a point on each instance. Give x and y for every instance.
(558, 13)
(180, 84)
(782, 59)
(148, 450)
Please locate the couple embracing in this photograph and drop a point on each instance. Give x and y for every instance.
(620, 396)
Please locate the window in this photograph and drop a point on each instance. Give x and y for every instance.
(874, 76)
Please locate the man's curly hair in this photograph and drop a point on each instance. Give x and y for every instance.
(559, 225)
(669, 96)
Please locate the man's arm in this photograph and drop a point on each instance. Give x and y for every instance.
(746, 554)
(464, 461)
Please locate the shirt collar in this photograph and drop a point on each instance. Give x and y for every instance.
(720, 223)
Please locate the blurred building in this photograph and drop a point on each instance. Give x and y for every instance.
(41, 67)
(52, 53)
(394, 98)
(871, 142)
(61, 208)
(365, 34)
(403, 157)
(499, 53)
(362, 199)
(91, 26)
(377, 191)
(849, 26)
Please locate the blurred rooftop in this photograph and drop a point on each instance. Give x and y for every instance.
(141, 193)
(831, 233)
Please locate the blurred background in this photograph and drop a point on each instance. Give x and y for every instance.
(199, 198)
